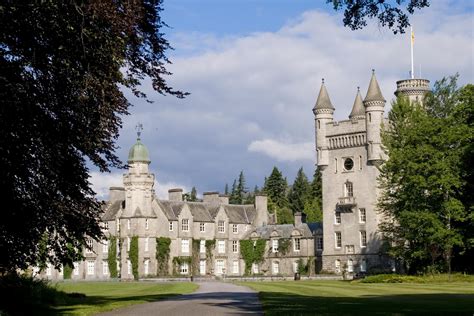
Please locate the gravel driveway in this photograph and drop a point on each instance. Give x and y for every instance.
(211, 298)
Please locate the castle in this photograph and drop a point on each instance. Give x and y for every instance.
(205, 237)
(349, 154)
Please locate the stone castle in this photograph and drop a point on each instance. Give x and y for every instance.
(348, 155)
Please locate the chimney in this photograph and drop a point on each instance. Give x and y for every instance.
(116, 194)
(224, 199)
(300, 218)
(261, 202)
(175, 194)
(210, 197)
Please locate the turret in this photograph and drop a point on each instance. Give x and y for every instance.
(323, 114)
(414, 89)
(374, 104)
(358, 109)
(138, 182)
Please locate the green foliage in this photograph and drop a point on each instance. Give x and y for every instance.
(112, 257)
(252, 251)
(196, 245)
(276, 189)
(423, 180)
(239, 190)
(302, 268)
(67, 271)
(299, 192)
(283, 247)
(429, 278)
(133, 255)
(191, 196)
(388, 13)
(313, 207)
(162, 255)
(178, 261)
(210, 245)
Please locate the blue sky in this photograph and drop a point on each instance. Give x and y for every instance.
(254, 69)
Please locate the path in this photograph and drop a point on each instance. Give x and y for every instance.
(212, 298)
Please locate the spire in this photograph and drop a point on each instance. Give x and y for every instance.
(358, 110)
(374, 93)
(323, 102)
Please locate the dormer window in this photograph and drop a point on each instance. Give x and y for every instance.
(185, 225)
(221, 226)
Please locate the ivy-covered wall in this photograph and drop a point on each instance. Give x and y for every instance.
(112, 257)
(133, 255)
(162, 255)
(252, 251)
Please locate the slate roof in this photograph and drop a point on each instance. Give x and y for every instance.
(323, 101)
(240, 214)
(111, 210)
(283, 230)
(358, 109)
(373, 92)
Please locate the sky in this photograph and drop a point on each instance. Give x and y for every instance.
(253, 69)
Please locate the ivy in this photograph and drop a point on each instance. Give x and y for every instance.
(112, 257)
(195, 256)
(178, 261)
(283, 247)
(133, 255)
(67, 271)
(210, 245)
(252, 251)
(162, 255)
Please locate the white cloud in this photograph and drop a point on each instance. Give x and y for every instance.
(283, 151)
(260, 88)
(101, 182)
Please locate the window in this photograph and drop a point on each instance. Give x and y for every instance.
(146, 266)
(337, 264)
(338, 240)
(185, 225)
(105, 267)
(295, 266)
(202, 267)
(221, 246)
(90, 267)
(106, 225)
(348, 189)
(370, 117)
(349, 248)
(362, 215)
(202, 246)
(254, 268)
(129, 267)
(235, 267)
(171, 226)
(76, 268)
(118, 225)
(221, 226)
(348, 164)
(296, 244)
(319, 243)
(146, 223)
(275, 245)
(235, 247)
(235, 228)
(350, 265)
(185, 245)
(147, 241)
(89, 246)
(275, 267)
(105, 246)
(220, 266)
(363, 238)
(337, 218)
(363, 265)
(202, 227)
(128, 243)
(184, 268)
(129, 225)
(335, 165)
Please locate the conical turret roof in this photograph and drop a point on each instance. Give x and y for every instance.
(358, 110)
(374, 93)
(323, 102)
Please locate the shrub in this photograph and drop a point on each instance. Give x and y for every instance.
(430, 278)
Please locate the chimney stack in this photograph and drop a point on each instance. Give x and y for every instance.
(224, 199)
(300, 218)
(175, 194)
(211, 197)
(261, 203)
(116, 194)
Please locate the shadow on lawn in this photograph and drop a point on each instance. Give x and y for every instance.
(276, 303)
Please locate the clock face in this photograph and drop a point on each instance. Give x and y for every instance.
(348, 164)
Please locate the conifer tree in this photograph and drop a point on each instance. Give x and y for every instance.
(276, 187)
(299, 192)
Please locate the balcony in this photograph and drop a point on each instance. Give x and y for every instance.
(346, 202)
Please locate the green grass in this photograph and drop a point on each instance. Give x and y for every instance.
(105, 296)
(346, 298)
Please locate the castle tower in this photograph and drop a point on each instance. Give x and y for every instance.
(323, 114)
(374, 104)
(414, 89)
(138, 182)
(358, 109)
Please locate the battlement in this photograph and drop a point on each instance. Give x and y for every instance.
(345, 127)
(412, 86)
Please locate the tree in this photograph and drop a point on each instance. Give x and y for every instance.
(226, 189)
(299, 192)
(313, 205)
(63, 68)
(276, 188)
(386, 12)
(422, 180)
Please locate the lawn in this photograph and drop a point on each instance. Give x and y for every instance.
(345, 298)
(105, 296)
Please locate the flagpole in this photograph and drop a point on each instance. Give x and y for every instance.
(412, 38)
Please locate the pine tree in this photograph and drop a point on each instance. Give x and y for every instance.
(226, 189)
(276, 187)
(233, 194)
(193, 195)
(299, 192)
(313, 204)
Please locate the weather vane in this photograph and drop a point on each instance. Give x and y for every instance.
(139, 129)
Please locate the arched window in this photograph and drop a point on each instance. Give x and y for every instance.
(370, 117)
(319, 124)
